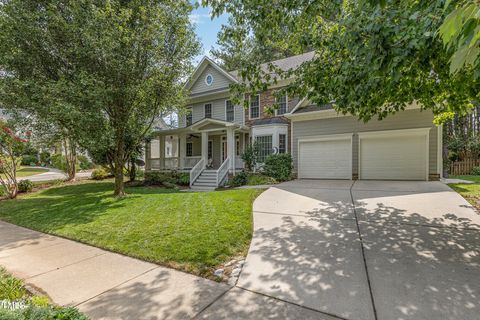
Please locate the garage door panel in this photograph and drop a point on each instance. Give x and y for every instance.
(325, 159)
(393, 157)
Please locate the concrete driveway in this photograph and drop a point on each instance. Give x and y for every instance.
(367, 249)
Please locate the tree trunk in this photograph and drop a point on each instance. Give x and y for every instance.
(119, 164)
(133, 169)
(70, 158)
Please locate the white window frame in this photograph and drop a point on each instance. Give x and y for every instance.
(206, 82)
(204, 110)
(286, 149)
(186, 148)
(271, 149)
(226, 111)
(286, 107)
(250, 107)
(189, 111)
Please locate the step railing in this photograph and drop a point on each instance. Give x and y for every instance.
(197, 171)
(223, 171)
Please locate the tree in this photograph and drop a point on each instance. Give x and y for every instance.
(370, 60)
(460, 33)
(108, 67)
(232, 54)
(11, 146)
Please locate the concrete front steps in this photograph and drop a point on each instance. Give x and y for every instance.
(207, 181)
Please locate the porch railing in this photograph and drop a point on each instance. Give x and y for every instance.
(196, 171)
(223, 171)
(190, 162)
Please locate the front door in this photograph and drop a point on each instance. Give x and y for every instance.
(224, 150)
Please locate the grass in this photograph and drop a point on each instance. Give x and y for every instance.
(25, 171)
(29, 171)
(189, 231)
(471, 192)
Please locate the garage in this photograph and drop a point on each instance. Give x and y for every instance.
(325, 157)
(394, 155)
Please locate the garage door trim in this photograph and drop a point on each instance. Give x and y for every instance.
(330, 137)
(396, 133)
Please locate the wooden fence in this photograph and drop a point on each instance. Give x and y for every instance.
(463, 167)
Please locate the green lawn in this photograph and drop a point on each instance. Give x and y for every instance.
(471, 192)
(190, 231)
(29, 171)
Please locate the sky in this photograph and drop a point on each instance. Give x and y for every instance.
(206, 29)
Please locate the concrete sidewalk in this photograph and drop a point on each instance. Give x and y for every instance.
(106, 285)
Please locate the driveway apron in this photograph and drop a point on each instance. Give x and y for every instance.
(367, 249)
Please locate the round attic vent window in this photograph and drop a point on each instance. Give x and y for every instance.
(209, 79)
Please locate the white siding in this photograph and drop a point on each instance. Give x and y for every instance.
(220, 81)
(218, 112)
(402, 120)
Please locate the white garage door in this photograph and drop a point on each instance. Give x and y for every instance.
(325, 159)
(394, 157)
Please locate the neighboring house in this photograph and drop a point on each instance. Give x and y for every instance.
(213, 133)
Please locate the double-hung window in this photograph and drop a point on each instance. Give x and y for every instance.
(282, 143)
(188, 117)
(210, 149)
(282, 105)
(264, 145)
(254, 107)
(208, 110)
(229, 110)
(189, 149)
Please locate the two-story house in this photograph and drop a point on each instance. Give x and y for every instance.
(213, 132)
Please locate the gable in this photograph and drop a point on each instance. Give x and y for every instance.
(220, 81)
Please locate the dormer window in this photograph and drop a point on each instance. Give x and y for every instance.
(209, 80)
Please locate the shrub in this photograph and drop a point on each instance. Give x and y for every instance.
(25, 186)
(279, 166)
(240, 179)
(84, 163)
(10, 288)
(160, 178)
(250, 156)
(45, 157)
(475, 171)
(59, 161)
(100, 174)
(260, 179)
(29, 159)
(183, 179)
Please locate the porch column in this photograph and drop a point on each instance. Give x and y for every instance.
(161, 145)
(231, 145)
(182, 145)
(205, 147)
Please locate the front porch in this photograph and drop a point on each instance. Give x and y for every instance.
(208, 144)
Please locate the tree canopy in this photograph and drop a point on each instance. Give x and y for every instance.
(231, 55)
(104, 68)
(372, 58)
